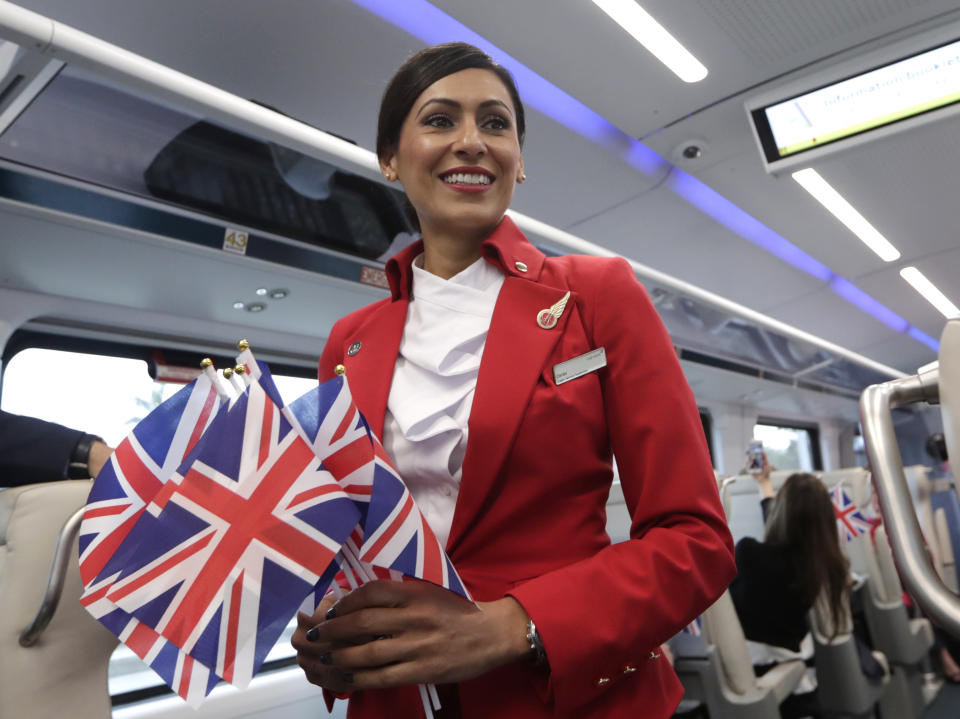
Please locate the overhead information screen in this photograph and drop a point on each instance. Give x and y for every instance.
(909, 87)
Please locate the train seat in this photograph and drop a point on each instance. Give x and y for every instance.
(936, 535)
(64, 672)
(722, 677)
(741, 503)
(948, 564)
(843, 689)
(904, 641)
(946, 503)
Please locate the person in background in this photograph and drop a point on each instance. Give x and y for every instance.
(503, 383)
(779, 579)
(946, 647)
(33, 451)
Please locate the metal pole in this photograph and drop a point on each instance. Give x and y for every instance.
(886, 464)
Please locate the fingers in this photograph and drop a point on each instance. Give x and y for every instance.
(379, 593)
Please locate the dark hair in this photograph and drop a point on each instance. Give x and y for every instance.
(937, 448)
(803, 523)
(420, 72)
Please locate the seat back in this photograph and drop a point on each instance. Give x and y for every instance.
(842, 687)
(941, 527)
(721, 625)
(741, 502)
(64, 673)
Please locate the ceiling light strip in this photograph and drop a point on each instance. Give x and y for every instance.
(824, 193)
(642, 26)
(930, 292)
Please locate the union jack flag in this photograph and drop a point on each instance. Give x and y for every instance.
(394, 534)
(222, 559)
(125, 486)
(694, 628)
(850, 521)
(138, 468)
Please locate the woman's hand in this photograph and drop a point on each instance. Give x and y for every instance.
(763, 479)
(387, 634)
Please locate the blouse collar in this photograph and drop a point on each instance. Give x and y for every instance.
(506, 248)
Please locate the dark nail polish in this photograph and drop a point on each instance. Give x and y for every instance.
(347, 677)
(312, 634)
(325, 658)
(331, 612)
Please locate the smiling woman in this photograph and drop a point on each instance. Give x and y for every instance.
(502, 383)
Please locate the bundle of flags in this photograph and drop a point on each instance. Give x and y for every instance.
(850, 520)
(223, 513)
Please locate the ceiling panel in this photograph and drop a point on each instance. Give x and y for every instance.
(941, 268)
(574, 43)
(900, 351)
(663, 231)
(824, 314)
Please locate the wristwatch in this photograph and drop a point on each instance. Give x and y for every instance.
(537, 653)
(79, 467)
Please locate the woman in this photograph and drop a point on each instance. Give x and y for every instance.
(507, 450)
(778, 580)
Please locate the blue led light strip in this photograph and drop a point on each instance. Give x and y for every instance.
(432, 26)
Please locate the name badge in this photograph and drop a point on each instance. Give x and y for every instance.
(579, 366)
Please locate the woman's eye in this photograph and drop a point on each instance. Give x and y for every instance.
(496, 123)
(438, 121)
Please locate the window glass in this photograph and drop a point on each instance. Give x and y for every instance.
(98, 394)
(786, 447)
(101, 395)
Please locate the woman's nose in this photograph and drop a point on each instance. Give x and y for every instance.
(469, 141)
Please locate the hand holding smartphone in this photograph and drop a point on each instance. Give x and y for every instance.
(755, 457)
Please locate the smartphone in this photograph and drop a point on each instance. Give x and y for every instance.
(755, 457)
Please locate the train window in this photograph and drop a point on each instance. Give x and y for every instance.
(789, 446)
(706, 420)
(96, 393)
(99, 394)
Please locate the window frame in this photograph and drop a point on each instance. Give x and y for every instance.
(811, 428)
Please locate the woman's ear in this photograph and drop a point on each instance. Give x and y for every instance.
(388, 166)
(521, 175)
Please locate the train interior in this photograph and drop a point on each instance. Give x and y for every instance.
(177, 176)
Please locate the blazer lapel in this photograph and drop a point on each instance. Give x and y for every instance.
(370, 369)
(513, 358)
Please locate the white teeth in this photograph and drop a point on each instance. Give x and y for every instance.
(466, 178)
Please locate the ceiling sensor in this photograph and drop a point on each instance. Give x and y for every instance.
(692, 150)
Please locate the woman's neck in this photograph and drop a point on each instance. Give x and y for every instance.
(446, 256)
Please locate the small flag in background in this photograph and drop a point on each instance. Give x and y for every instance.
(695, 627)
(850, 521)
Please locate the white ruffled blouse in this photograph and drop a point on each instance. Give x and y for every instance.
(425, 430)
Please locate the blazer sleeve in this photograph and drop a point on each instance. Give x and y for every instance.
(611, 610)
(32, 450)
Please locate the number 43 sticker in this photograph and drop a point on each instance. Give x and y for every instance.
(235, 241)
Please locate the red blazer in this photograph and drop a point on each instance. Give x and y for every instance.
(530, 516)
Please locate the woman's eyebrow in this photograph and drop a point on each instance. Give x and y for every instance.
(455, 104)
